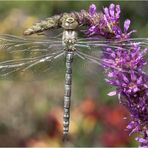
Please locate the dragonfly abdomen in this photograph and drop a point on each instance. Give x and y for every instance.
(67, 94)
(56, 21)
(49, 23)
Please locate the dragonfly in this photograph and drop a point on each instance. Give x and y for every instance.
(35, 51)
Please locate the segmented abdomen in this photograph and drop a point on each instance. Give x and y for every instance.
(83, 18)
(67, 94)
(49, 23)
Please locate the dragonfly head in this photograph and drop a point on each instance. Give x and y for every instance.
(69, 23)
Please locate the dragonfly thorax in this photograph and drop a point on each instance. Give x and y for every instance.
(69, 39)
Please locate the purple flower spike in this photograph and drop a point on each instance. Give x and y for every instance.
(124, 71)
(104, 22)
(124, 67)
(107, 23)
(112, 13)
(92, 9)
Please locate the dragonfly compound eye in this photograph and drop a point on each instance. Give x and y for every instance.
(69, 23)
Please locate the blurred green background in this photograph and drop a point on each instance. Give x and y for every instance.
(31, 111)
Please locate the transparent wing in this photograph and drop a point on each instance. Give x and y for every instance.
(92, 49)
(96, 42)
(19, 54)
(12, 43)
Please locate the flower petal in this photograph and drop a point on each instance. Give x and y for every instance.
(126, 25)
(112, 93)
(141, 140)
(110, 74)
(133, 76)
(128, 34)
(106, 12)
(92, 29)
(92, 9)
(118, 11)
(111, 10)
(139, 81)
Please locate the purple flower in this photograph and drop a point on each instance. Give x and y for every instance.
(92, 9)
(124, 58)
(103, 22)
(124, 67)
(143, 141)
(106, 24)
(137, 127)
(123, 35)
(111, 15)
